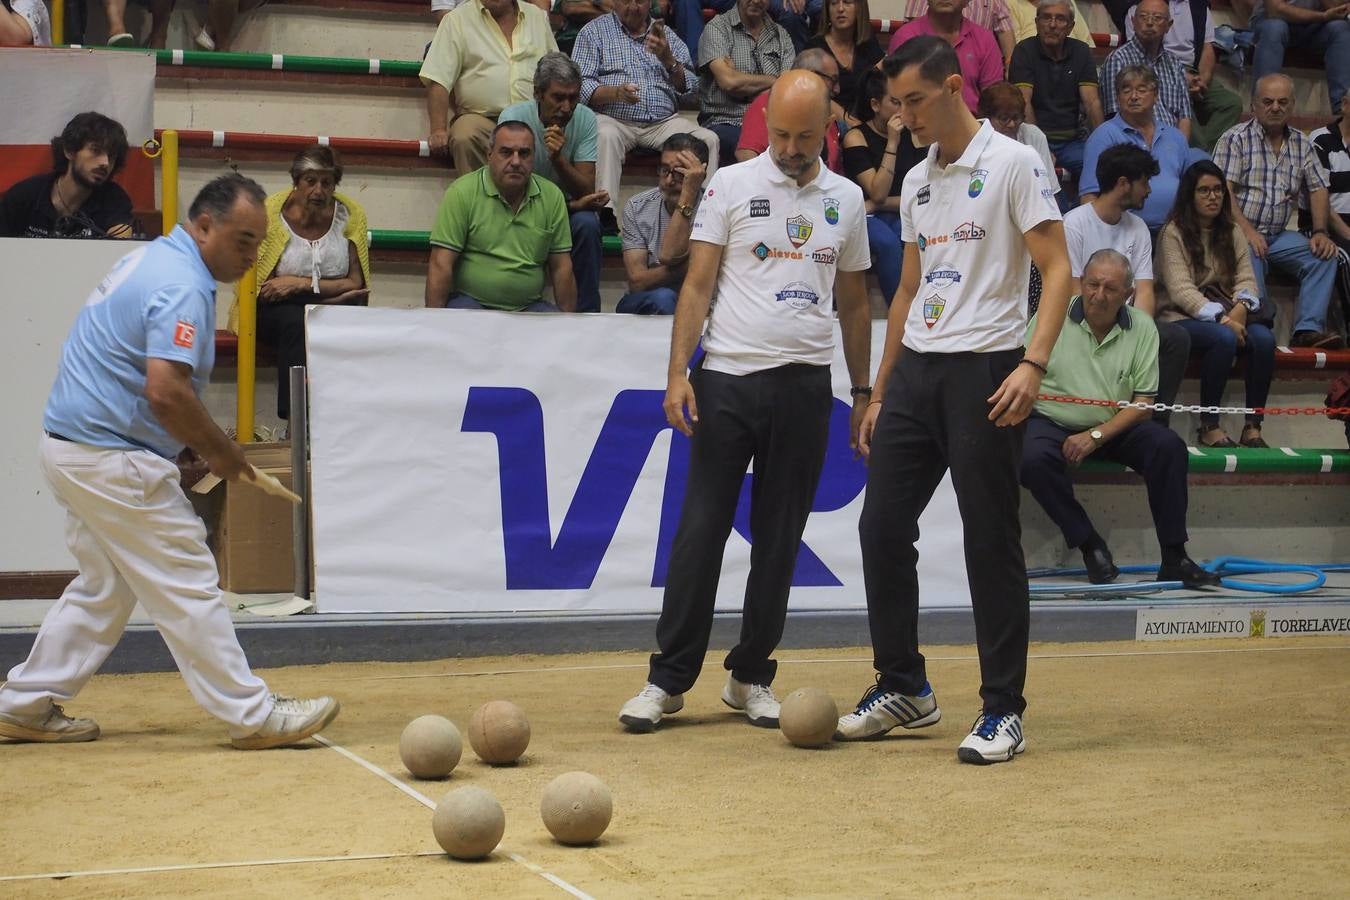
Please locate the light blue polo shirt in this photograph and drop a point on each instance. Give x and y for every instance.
(1169, 148)
(581, 137)
(158, 302)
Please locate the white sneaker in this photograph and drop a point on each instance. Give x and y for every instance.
(993, 739)
(50, 727)
(643, 713)
(204, 39)
(289, 722)
(880, 710)
(755, 700)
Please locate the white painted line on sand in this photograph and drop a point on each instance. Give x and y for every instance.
(188, 867)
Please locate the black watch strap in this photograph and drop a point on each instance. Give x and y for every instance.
(860, 390)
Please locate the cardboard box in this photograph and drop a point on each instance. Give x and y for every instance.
(253, 541)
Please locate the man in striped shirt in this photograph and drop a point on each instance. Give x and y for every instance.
(1152, 19)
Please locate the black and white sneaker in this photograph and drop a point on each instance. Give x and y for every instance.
(994, 738)
(880, 710)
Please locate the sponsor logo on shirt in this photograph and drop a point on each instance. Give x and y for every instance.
(924, 195)
(932, 310)
(759, 208)
(798, 230)
(943, 277)
(925, 240)
(825, 256)
(185, 334)
(831, 210)
(977, 180)
(763, 251)
(967, 231)
(710, 193)
(798, 295)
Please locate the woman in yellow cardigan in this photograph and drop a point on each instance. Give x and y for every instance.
(316, 251)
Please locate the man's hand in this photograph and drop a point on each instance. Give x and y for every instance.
(279, 287)
(628, 93)
(861, 404)
(1336, 12)
(1322, 246)
(1014, 398)
(229, 462)
(439, 140)
(688, 165)
(1195, 84)
(1257, 240)
(679, 397)
(1078, 447)
(867, 425)
(191, 468)
(554, 138)
(657, 45)
(590, 202)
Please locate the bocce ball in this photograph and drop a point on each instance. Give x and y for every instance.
(499, 732)
(469, 823)
(808, 717)
(430, 747)
(576, 807)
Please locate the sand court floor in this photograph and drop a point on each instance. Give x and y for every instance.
(1197, 769)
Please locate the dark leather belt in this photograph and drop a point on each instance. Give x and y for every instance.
(61, 437)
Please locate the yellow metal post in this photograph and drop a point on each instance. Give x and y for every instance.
(58, 22)
(168, 179)
(248, 356)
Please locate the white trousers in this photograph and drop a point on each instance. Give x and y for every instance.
(135, 537)
(617, 137)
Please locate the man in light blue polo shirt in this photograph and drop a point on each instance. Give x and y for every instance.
(126, 402)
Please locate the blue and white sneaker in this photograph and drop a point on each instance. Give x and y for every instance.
(993, 739)
(880, 710)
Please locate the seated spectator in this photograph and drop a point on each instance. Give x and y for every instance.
(846, 34)
(316, 251)
(25, 23)
(483, 55)
(1329, 143)
(1136, 90)
(1108, 350)
(754, 138)
(1267, 165)
(741, 54)
(1312, 24)
(1006, 109)
(991, 14)
(635, 74)
(797, 17)
(656, 226)
(78, 197)
(1057, 76)
(221, 16)
(980, 57)
(1206, 285)
(564, 153)
(1126, 172)
(1191, 40)
(497, 229)
(1023, 14)
(1152, 20)
(577, 14)
(440, 7)
(877, 154)
(119, 36)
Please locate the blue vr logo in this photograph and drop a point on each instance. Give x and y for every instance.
(535, 562)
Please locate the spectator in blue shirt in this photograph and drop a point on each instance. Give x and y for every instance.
(1136, 90)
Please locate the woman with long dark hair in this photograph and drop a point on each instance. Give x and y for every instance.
(1204, 280)
(846, 34)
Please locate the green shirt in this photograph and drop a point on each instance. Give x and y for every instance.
(1124, 365)
(502, 252)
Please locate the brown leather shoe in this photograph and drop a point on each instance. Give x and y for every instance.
(1317, 340)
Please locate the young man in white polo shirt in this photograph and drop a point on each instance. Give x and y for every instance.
(779, 239)
(953, 390)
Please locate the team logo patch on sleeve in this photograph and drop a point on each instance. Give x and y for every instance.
(831, 210)
(924, 195)
(798, 230)
(185, 334)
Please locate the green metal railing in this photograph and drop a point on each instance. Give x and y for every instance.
(283, 62)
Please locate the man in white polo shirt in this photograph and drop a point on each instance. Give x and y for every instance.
(953, 391)
(779, 239)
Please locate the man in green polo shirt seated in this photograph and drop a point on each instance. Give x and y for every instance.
(497, 229)
(1107, 350)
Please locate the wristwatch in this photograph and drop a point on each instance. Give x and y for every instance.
(685, 210)
(1096, 435)
(860, 390)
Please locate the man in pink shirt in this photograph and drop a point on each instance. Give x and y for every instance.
(976, 49)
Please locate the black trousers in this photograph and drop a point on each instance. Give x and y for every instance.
(1174, 351)
(281, 326)
(934, 417)
(1154, 451)
(780, 419)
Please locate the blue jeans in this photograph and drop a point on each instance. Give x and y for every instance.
(586, 250)
(1288, 252)
(1273, 36)
(1217, 347)
(461, 300)
(728, 136)
(655, 302)
(1068, 156)
(888, 253)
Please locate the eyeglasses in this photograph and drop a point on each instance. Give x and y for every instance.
(1139, 89)
(668, 172)
(1215, 191)
(1150, 18)
(1011, 121)
(1054, 18)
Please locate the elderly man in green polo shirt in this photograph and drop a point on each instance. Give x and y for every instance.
(1107, 350)
(497, 230)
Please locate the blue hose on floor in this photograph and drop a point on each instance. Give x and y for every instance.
(1226, 566)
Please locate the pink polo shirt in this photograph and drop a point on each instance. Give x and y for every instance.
(976, 49)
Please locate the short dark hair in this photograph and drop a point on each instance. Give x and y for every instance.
(1124, 161)
(872, 87)
(316, 158)
(220, 194)
(686, 141)
(935, 58)
(512, 124)
(90, 128)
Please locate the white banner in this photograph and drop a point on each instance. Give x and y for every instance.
(1269, 617)
(494, 462)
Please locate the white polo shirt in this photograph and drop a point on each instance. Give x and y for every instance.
(1086, 233)
(782, 245)
(968, 221)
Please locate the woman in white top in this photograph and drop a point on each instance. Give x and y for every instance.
(315, 252)
(24, 23)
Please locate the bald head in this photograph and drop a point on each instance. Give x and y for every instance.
(797, 116)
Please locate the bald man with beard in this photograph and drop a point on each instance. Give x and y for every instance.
(780, 240)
